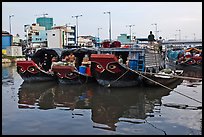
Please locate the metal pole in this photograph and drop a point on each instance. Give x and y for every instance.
(10, 22)
(98, 32)
(109, 24)
(194, 36)
(77, 27)
(179, 34)
(156, 30)
(130, 31)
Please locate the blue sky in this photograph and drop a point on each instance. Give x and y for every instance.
(169, 16)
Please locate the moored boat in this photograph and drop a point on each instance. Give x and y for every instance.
(120, 67)
(163, 77)
(77, 73)
(180, 59)
(37, 69)
(108, 72)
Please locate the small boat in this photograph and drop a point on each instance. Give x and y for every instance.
(79, 73)
(37, 68)
(191, 56)
(164, 77)
(179, 59)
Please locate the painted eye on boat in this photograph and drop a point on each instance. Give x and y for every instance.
(21, 69)
(112, 67)
(70, 74)
(32, 69)
(99, 66)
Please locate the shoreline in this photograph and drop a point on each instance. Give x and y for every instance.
(12, 60)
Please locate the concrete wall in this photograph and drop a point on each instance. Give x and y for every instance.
(14, 51)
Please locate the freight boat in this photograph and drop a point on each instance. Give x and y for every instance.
(110, 72)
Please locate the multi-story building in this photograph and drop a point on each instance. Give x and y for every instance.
(39, 39)
(36, 35)
(46, 22)
(70, 36)
(61, 37)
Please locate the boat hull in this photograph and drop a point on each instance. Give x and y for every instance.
(69, 75)
(161, 79)
(30, 72)
(121, 77)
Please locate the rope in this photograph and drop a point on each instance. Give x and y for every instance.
(166, 86)
(173, 76)
(117, 78)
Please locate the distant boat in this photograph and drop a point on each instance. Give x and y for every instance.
(191, 57)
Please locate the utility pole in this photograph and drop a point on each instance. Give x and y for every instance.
(179, 33)
(77, 16)
(10, 22)
(155, 30)
(130, 30)
(109, 23)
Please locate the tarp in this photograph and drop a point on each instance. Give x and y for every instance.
(78, 51)
(50, 51)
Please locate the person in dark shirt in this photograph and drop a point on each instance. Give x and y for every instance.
(151, 38)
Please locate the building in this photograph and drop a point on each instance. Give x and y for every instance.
(39, 39)
(7, 41)
(46, 22)
(86, 41)
(123, 38)
(35, 35)
(61, 37)
(16, 40)
(70, 36)
(55, 38)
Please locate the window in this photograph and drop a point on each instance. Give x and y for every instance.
(53, 34)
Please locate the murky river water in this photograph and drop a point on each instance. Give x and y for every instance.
(46, 108)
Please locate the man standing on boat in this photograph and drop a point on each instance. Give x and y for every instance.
(151, 38)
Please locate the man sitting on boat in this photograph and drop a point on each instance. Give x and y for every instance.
(72, 59)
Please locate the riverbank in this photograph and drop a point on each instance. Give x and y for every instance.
(12, 59)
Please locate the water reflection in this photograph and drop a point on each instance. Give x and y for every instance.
(108, 106)
(7, 74)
